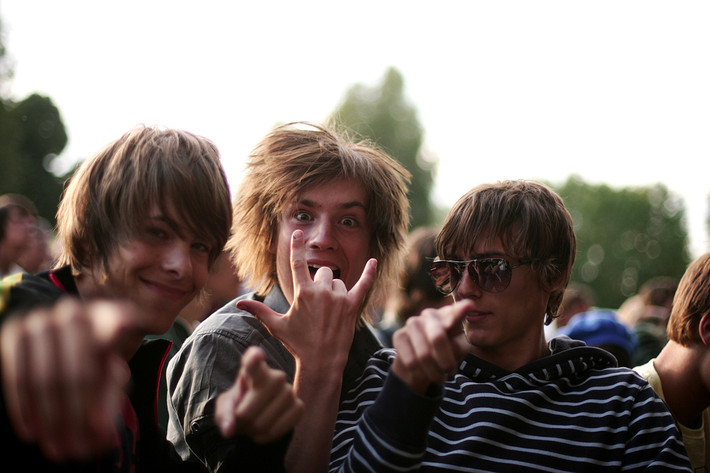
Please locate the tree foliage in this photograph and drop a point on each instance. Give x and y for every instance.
(32, 134)
(383, 115)
(625, 237)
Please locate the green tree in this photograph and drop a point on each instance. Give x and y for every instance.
(32, 134)
(625, 237)
(383, 115)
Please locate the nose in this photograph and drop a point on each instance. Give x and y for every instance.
(322, 236)
(177, 259)
(467, 288)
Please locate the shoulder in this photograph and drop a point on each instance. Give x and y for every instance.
(21, 292)
(647, 370)
(216, 345)
(231, 324)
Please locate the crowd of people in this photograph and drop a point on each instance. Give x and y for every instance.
(302, 327)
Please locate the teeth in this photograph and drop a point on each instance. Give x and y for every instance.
(315, 267)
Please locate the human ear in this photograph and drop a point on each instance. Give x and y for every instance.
(704, 329)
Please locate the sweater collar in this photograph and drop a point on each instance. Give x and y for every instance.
(568, 358)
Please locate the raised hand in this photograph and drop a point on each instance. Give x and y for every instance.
(431, 345)
(318, 330)
(260, 404)
(323, 314)
(62, 378)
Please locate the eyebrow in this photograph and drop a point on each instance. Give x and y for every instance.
(344, 205)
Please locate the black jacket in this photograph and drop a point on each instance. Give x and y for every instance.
(22, 292)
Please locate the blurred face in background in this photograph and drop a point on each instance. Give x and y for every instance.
(19, 228)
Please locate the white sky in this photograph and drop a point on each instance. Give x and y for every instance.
(615, 91)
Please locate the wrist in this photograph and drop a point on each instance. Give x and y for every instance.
(418, 384)
(321, 374)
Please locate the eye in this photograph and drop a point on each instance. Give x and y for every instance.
(156, 232)
(200, 247)
(302, 216)
(349, 222)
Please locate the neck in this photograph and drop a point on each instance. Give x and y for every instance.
(512, 359)
(679, 369)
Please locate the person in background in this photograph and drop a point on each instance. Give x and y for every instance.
(576, 299)
(17, 224)
(79, 380)
(600, 328)
(473, 386)
(319, 220)
(680, 374)
(414, 290)
(647, 316)
(37, 255)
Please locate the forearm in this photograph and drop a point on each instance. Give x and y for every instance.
(319, 389)
(391, 433)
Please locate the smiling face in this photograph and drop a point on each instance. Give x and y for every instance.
(160, 269)
(505, 328)
(337, 234)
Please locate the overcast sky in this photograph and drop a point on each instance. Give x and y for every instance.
(615, 91)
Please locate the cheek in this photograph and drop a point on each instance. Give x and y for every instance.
(358, 255)
(281, 240)
(200, 273)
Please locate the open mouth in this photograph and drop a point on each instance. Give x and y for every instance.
(312, 268)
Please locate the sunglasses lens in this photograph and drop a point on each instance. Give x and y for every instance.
(493, 274)
(443, 276)
(490, 274)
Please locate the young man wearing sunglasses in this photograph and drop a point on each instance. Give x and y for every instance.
(473, 386)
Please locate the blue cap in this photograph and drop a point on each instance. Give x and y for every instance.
(600, 327)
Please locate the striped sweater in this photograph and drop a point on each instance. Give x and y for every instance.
(573, 411)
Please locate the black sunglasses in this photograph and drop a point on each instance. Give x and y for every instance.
(489, 274)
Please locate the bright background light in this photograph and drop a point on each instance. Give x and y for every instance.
(616, 92)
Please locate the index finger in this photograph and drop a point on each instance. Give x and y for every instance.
(452, 315)
(253, 362)
(299, 265)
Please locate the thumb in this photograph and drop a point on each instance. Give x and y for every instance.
(265, 314)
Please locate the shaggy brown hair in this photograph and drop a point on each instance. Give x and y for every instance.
(530, 219)
(112, 193)
(297, 157)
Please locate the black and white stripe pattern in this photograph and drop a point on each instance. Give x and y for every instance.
(570, 412)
